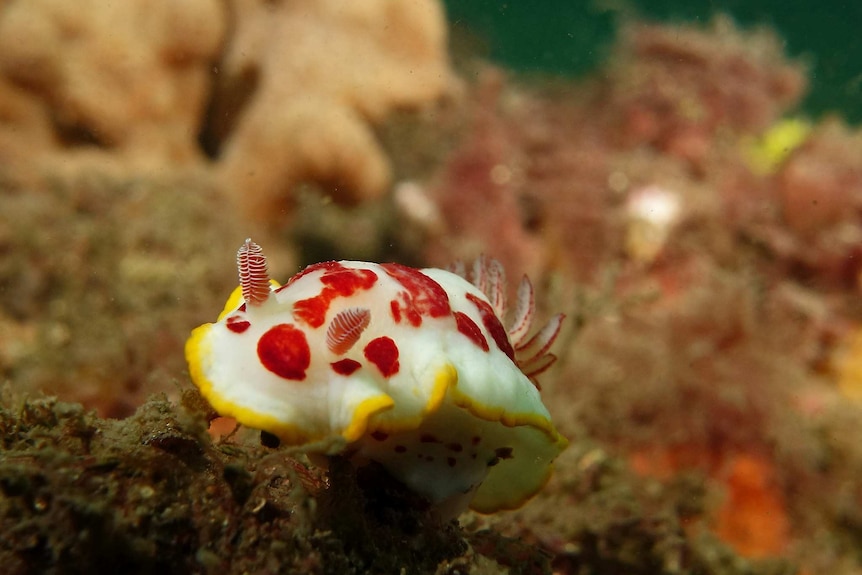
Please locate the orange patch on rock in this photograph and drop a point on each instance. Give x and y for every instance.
(221, 427)
(752, 517)
(665, 462)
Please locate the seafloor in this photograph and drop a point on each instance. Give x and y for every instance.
(702, 235)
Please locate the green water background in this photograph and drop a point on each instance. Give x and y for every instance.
(573, 37)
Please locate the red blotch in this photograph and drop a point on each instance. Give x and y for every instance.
(383, 353)
(237, 324)
(284, 351)
(403, 307)
(345, 366)
(395, 307)
(423, 295)
(312, 310)
(338, 281)
(347, 281)
(493, 325)
(469, 328)
(326, 266)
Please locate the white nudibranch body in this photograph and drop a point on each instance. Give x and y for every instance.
(410, 368)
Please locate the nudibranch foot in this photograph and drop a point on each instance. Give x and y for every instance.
(408, 368)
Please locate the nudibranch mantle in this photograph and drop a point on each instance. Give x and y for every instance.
(410, 368)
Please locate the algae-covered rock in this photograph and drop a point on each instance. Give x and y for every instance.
(154, 494)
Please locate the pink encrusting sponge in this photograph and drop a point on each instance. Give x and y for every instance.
(410, 368)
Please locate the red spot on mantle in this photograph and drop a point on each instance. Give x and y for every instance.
(383, 353)
(331, 265)
(469, 328)
(338, 281)
(313, 310)
(284, 351)
(422, 295)
(345, 367)
(237, 324)
(493, 325)
(346, 281)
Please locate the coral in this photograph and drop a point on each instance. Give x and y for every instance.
(541, 177)
(130, 77)
(537, 182)
(806, 212)
(314, 76)
(820, 184)
(677, 87)
(281, 92)
(819, 190)
(477, 192)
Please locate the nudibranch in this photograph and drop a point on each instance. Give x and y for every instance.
(410, 368)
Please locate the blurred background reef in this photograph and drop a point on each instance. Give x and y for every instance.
(684, 183)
